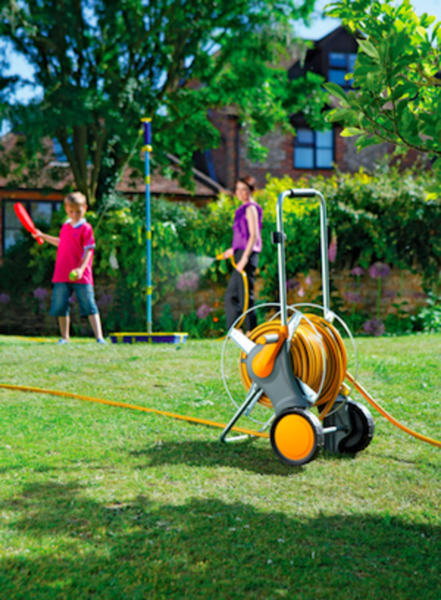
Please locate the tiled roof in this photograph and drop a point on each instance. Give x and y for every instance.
(58, 176)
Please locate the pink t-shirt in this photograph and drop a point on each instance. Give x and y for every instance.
(75, 240)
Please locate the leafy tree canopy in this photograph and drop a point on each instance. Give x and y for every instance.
(397, 88)
(104, 64)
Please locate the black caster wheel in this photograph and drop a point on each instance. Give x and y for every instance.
(296, 436)
(362, 429)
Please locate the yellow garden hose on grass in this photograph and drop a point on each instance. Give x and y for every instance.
(358, 387)
(24, 388)
(389, 417)
(307, 357)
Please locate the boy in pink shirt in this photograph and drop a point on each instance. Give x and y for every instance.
(74, 255)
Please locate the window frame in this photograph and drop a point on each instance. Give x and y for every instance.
(348, 83)
(27, 204)
(314, 148)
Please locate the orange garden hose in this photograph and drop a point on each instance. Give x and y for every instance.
(24, 388)
(306, 352)
(308, 366)
(307, 357)
(389, 417)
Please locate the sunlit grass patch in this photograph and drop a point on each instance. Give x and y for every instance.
(97, 501)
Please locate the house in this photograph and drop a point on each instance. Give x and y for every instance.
(49, 183)
(309, 152)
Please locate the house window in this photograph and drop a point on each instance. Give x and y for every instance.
(313, 149)
(13, 230)
(340, 64)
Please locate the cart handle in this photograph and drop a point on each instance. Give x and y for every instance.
(279, 239)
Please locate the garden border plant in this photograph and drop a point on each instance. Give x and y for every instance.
(380, 217)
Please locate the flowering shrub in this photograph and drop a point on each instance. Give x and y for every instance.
(380, 218)
(188, 282)
(40, 294)
(353, 297)
(379, 270)
(357, 272)
(292, 283)
(203, 311)
(374, 327)
(332, 250)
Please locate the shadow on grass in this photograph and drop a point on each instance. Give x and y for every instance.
(396, 458)
(71, 546)
(257, 457)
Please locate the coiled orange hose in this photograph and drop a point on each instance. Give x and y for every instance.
(308, 366)
(307, 357)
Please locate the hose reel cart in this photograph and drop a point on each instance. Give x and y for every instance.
(297, 360)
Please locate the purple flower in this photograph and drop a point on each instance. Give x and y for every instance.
(40, 293)
(5, 299)
(357, 272)
(105, 300)
(379, 270)
(374, 327)
(389, 294)
(72, 299)
(292, 284)
(301, 292)
(353, 297)
(332, 250)
(188, 282)
(203, 311)
(308, 280)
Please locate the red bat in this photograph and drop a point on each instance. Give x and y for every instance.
(26, 220)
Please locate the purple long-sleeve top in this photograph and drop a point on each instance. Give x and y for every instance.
(241, 234)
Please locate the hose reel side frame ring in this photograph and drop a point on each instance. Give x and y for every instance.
(239, 320)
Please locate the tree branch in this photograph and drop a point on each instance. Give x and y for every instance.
(62, 138)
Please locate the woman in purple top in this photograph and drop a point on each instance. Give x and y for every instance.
(247, 243)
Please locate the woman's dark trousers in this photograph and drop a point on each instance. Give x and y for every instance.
(235, 294)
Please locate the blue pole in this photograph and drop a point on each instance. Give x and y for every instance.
(147, 149)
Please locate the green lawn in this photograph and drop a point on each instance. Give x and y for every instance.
(100, 502)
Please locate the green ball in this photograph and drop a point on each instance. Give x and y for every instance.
(73, 275)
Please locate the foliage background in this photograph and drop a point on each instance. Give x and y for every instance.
(397, 92)
(103, 65)
(382, 216)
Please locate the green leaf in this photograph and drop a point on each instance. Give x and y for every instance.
(340, 114)
(369, 49)
(351, 131)
(365, 141)
(337, 91)
(437, 164)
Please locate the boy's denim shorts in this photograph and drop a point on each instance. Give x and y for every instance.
(61, 299)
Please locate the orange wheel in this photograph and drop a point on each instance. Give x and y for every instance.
(296, 436)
